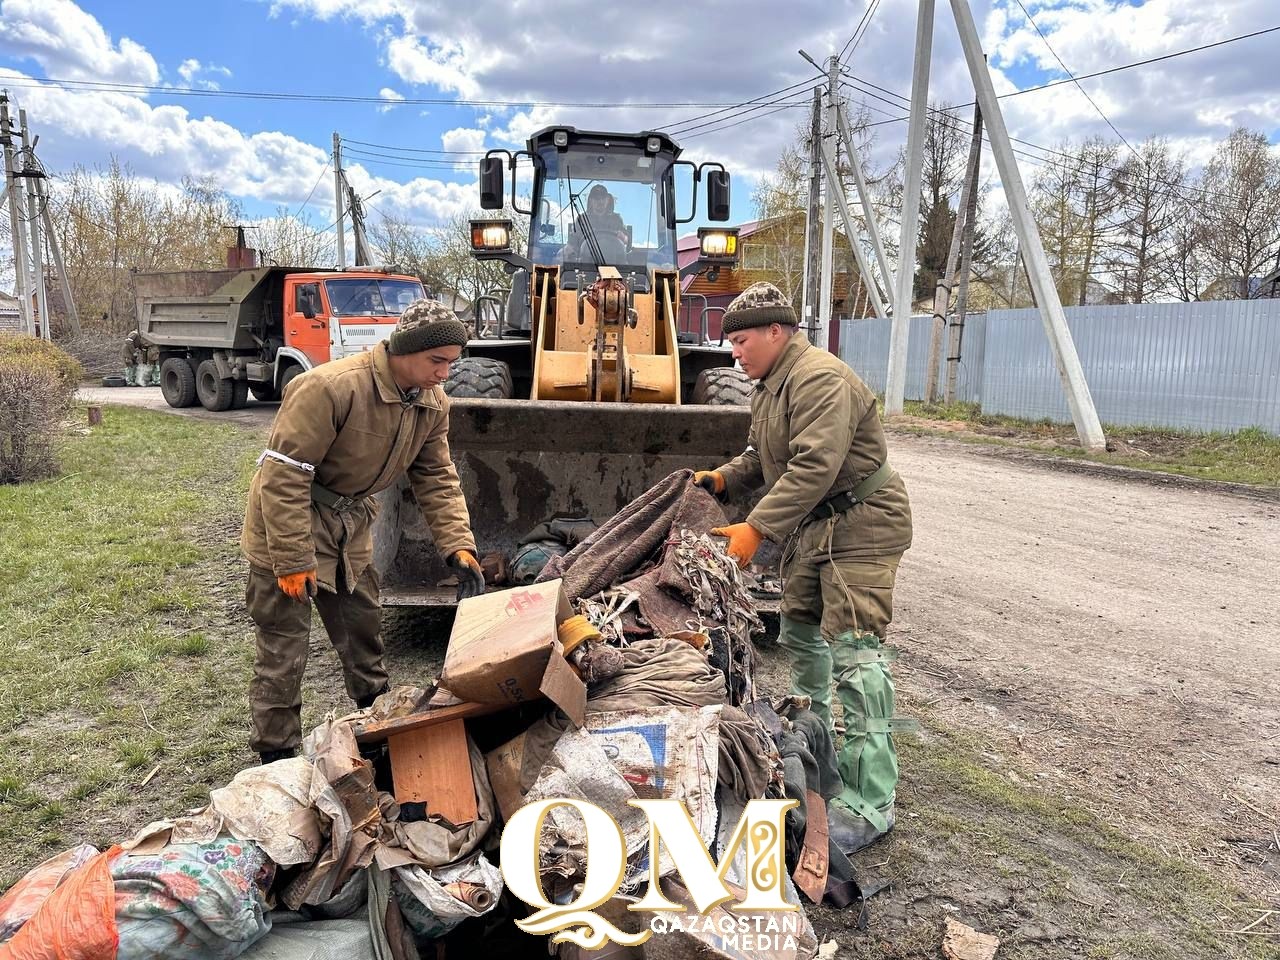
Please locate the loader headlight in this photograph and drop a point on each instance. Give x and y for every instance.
(490, 235)
(718, 245)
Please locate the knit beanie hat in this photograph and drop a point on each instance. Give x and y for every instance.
(758, 306)
(425, 325)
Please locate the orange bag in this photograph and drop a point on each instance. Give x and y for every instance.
(76, 922)
(23, 899)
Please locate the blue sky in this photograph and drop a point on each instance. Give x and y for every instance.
(270, 153)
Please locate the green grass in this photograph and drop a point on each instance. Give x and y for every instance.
(1244, 456)
(116, 653)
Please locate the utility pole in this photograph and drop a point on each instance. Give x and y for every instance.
(1079, 398)
(363, 257)
(813, 217)
(339, 199)
(21, 277)
(868, 212)
(828, 214)
(970, 216)
(55, 249)
(33, 222)
(864, 269)
(896, 379)
(942, 292)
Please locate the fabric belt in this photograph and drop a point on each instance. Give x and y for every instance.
(848, 499)
(334, 501)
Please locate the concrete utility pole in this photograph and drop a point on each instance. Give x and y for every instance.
(969, 216)
(864, 269)
(813, 217)
(868, 211)
(363, 257)
(828, 214)
(896, 379)
(339, 200)
(942, 292)
(20, 266)
(1079, 399)
(73, 315)
(33, 221)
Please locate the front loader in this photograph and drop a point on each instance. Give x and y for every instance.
(589, 394)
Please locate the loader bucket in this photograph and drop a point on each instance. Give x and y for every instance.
(525, 461)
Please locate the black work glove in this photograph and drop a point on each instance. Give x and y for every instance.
(470, 576)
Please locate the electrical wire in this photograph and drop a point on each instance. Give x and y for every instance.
(866, 27)
(314, 186)
(1067, 70)
(853, 36)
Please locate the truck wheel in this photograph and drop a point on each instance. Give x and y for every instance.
(479, 377)
(215, 393)
(723, 387)
(264, 392)
(239, 394)
(178, 382)
(295, 370)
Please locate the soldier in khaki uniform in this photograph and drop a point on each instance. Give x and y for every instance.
(345, 431)
(842, 517)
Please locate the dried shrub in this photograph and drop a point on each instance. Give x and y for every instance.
(37, 384)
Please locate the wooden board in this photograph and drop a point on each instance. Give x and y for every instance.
(380, 730)
(432, 765)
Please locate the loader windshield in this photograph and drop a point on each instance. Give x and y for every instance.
(603, 207)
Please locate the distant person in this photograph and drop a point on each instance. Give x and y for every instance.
(141, 361)
(345, 431)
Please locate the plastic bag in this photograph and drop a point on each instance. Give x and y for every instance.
(435, 901)
(23, 899)
(76, 922)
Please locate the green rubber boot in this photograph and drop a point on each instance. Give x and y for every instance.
(810, 659)
(868, 759)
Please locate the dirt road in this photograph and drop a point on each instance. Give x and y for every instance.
(1119, 636)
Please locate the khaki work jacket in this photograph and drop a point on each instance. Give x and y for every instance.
(349, 420)
(816, 432)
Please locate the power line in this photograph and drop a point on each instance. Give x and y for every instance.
(759, 116)
(399, 149)
(105, 86)
(785, 101)
(853, 36)
(1079, 86)
(875, 5)
(675, 126)
(323, 171)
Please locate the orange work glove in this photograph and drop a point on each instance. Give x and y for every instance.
(301, 585)
(470, 576)
(711, 481)
(744, 541)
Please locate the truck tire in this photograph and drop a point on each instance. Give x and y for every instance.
(290, 373)
(239, 394)
(178, 382)
(723, 387)
(479, 377)
(264, 392)
(215, 393)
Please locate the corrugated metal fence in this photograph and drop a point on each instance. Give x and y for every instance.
(1203, 366)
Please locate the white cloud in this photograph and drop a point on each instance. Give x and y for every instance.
(392, 97)
(196, 74)
(69, 43)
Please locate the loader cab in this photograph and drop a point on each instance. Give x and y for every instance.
(597, 200)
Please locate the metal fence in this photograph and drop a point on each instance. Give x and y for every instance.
(1201, 366)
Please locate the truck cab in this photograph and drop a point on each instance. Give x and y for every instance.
(327, 316)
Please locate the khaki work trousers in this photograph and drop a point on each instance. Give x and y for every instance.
(353, 620)
(814, 591)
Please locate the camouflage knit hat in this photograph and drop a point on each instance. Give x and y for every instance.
(758, 306)
(425, 325)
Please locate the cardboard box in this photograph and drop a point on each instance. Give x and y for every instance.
(504, 648)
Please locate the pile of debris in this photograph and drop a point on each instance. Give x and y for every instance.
(626, 671)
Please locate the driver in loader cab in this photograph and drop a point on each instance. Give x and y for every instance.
(602, 222)
(345, 431)
(841, 514)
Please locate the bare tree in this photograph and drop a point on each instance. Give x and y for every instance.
(1150, 187)
(1240, 212)
(290, 240)
(780, 199)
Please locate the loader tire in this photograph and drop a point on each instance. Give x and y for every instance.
(723, 387)
(479, 377)
(178, 382)
(215, 393)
